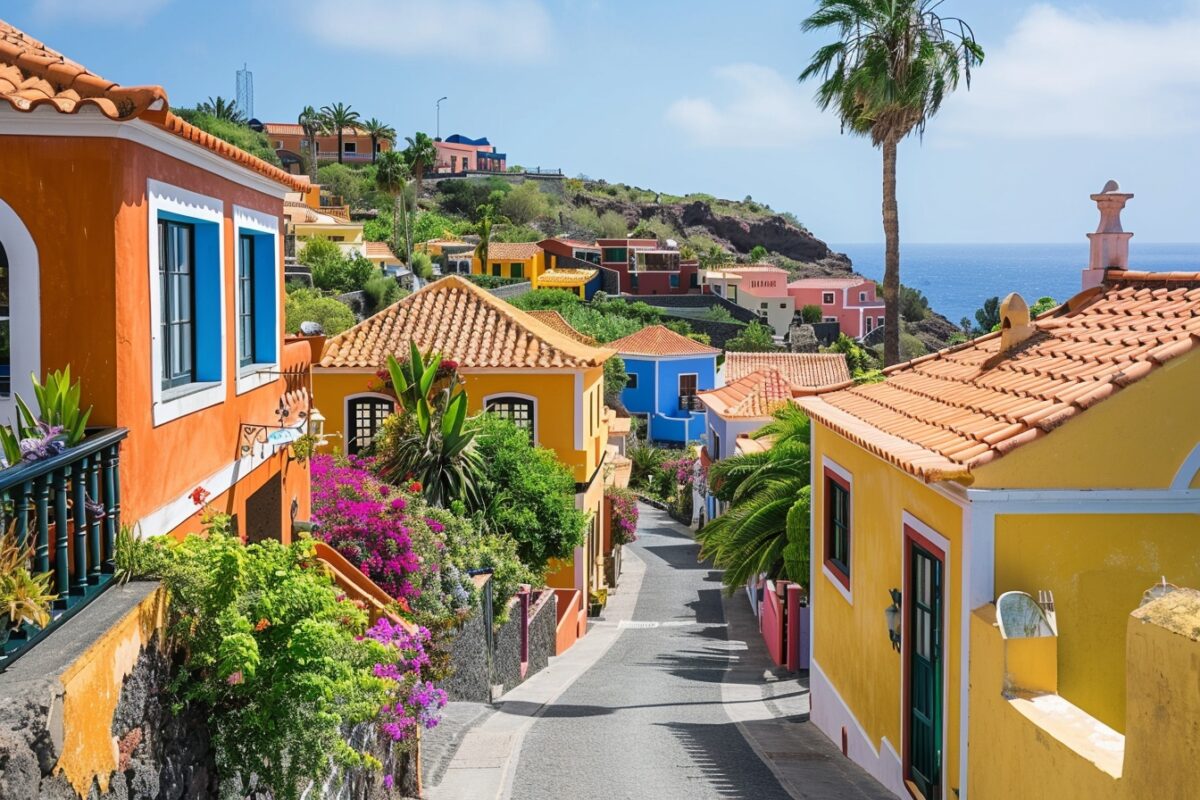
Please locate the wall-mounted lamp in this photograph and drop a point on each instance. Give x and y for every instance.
(892, 615)
(316, 427)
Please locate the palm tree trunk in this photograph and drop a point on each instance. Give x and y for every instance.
(339, 145)
(374, 145)
(397, 210)
(891, 260)
(312, 157)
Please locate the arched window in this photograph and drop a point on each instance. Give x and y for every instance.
(5, 329)
(364, 418)
(519, 410)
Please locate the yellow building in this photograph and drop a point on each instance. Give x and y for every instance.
(512, 260)
(1057, 455)
(512, 364)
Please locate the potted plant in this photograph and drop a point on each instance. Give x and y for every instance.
(25, 597)
(596, 600)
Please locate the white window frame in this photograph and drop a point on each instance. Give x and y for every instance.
(171, 404)
(259, 373)
(346, 148)
(520, 396)
(844, 474)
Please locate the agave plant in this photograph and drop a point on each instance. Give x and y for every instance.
(25, 597)
(437, 450)
(58, 424)
(765, 531)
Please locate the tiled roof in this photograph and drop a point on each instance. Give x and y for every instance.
(558, 322)
(756, 267)
(943, 415)
(295, 129)
(826, 283)
(379, 250)
(659, 340)
(758, 394)
(33, 75)
(802, 370)
(464, 323)
(566, 277)
(512, 251)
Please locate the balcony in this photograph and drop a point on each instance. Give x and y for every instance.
(71, 505)
(690, 402)
(656, 261)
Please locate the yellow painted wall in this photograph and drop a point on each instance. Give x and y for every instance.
(1138, 438)
(532, 267)
(850, 642)
(1097, 566)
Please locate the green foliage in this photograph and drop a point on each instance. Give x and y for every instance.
(766, 527)
(524, 204)
(420, 155)
(616, 378)
(517, 233)
(1042, 305)
(811, 315)
(612, 225)
(464, 197)
(222, 109)
(603, 319)
(380, 291)
(859, 360)
(254, 143)
(758, 253)
(491, 281)
(333, 270)
(432, 225)
(914, 306)
(273, 657)
(25, 597)
(310, 305)
(469, 548)
(987, 317)
(755, 338)
(646, 470)
(530, 494)
(911, 347)
(718, 314)
(421, 265)
(58, 406)
(653, 229)
(336, 118)
(355, 185)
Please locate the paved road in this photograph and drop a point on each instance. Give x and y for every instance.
(647, 721)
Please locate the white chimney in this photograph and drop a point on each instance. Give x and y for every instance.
(1110, 244)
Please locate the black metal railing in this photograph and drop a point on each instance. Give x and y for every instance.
(68, 507)
(690, 402)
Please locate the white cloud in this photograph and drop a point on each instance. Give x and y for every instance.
(114, 12)
(757, 107)
(1080, 74)
(474, 30)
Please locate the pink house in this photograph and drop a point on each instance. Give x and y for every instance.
(850, 302)
(457, 154)
(761, 288)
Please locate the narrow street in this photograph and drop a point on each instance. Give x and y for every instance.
(670, 695)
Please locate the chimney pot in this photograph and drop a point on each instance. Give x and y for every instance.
(1015, 324)
(1110, 242)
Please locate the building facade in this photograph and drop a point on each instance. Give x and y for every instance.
(666, 373)
(291, 144)
(458, 154)
(761, 288)
(850, 302)
(644, 267)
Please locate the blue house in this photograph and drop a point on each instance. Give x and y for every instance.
(666, 372)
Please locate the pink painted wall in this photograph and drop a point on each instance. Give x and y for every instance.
(853, 305)
(765, 283)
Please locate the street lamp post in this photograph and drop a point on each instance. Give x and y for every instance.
(439, 117)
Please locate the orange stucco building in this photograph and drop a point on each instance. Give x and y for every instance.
(291, 144)
(148, 256)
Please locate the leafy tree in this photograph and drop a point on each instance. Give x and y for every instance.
(313, 123)
(530, 494)
(988, 316)
(464, 197)
(754, 338)
(766, 528)
(380, 292)
(859, 360)
(714, 256)
(487, 218)
(343, 181)
(333, 270)
(432, 225)
(524, 204)
(886, 74)
(811, 314)
(379, 132)
(758, 252)
(965, 324)
(616, 378)
(717, 313)
(337, 118)
(421, 265)
(222, 109)
(391, 176)
(1042, 305)
(309, 305)
(914, 306)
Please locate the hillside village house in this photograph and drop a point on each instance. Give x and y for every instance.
(850, 302)
(645, 267)
(666, 372)
(457, 154)
(512, 363)
(291, 144)
(1062, 455)
(761, 288)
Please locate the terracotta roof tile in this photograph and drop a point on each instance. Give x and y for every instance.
(464, 323)
(947, 413)
(379, 250)
(802, 370)
(755, 395)
(558, 322)
(659, 340)
(33, 75)
(514, 251)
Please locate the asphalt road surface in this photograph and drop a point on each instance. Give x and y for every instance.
(646, 721)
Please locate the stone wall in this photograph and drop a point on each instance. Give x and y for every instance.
(474, 673)
(470, 679)
(512, 290)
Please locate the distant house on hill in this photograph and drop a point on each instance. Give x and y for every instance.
(457, 154)
(291, 145)
(850, 302)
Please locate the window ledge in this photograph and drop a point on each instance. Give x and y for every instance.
(838, 579)
(186, 390)
(252, 376)
(183, 400)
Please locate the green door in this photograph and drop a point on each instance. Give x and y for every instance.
(925, 672)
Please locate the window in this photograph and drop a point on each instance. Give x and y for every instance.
(673, 280)
(632, 384)
(364, 416)
(879, 322)
(633, 282)
(5, 328)
(516, 270)
(763, 306)
(862, 297)
(615, 255)
(687, 385)
(454, 163)
(733, 293)
(715, 453)
(176, 264)
(827, 298)
(496, 269)
(517, 409)
(837, 527)
(350, 147)
(783, 306)
(245, 310)
(694, 281)
(868, 320)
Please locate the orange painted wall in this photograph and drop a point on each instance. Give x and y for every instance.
(84, 203)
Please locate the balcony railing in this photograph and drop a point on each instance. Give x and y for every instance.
(690, 402)
(69, 507)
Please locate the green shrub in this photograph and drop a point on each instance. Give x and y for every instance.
(811, 314)
(380, 291)
(516, 233)
(491, 281)
(333, 270)
(421, 265)
(310, 305)
(254, 143)
(616, 378)
(524, 204)
(754, 338)
(612, 225)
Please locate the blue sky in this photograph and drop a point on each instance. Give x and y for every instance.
(700, 95)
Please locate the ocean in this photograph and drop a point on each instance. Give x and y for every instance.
(957, 278)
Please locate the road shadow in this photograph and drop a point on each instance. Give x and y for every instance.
(678, 556)
(730, 767)
(708, 607)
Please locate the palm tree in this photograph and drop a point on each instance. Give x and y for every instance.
(765, 531)
(887, 73)
(338, 117)
(421, 154)
(378, 131)
(487, 218)
(391, 176)
(313, 124)
(222, 109)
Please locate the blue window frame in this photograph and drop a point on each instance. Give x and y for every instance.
(257, 298)
(176, 272)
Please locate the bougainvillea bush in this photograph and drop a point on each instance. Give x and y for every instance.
(404, 663)
(388, 532)
(624, 515)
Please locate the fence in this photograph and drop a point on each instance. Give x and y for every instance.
(68, 507)
(784, 624)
